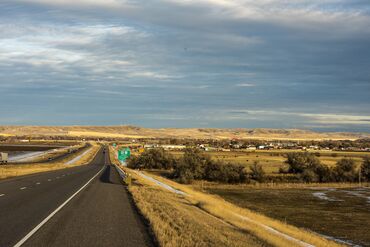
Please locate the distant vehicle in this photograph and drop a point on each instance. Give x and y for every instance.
(3, 158)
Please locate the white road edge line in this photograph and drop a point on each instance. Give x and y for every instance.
(34, 230)
(2, 195)
(23, 188)
(274, 231)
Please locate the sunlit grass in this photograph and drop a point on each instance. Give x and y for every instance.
(177, 220)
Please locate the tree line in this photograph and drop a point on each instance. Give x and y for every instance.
(309, 169)
(197, 165)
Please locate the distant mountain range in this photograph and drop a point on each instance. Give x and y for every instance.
(196, 133)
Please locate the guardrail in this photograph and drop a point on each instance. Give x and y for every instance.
(126, 178)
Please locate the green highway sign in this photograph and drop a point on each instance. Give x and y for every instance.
(124, 154)
(114, 145)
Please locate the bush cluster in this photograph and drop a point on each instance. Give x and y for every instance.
(309, 168)
(152, 159)
(195, 165)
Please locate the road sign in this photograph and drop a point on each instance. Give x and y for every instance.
(114, 145)
(124, 154)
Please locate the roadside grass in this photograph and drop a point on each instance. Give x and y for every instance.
(8, 171)
(176, 222)
(179, 220)
(342, 212)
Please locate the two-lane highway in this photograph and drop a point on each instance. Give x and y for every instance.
(100, 214)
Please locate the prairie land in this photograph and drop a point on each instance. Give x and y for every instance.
(192, 133)
(341, 213)
(197, 218)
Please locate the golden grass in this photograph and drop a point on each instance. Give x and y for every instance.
(8, 171)
(193, 133)
(101, 134)
(178, 223)
(6, 135)
(226, 211)
(184, 220)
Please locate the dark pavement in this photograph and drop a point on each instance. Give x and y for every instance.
(100, 215)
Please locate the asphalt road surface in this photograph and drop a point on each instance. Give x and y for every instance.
(55, 158)
(101, 214)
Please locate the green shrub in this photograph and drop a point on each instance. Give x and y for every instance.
(345, 171)
(309, 176)
(324, 173)
(192, 165)
(298, 162)
(232, 173)
(257, 172)
(196, 165)
(156, 158)
(309, 167)
(214, 172)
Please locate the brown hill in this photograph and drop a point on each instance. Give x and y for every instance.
(205, 133)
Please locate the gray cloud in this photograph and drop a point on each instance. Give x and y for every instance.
(172, 59)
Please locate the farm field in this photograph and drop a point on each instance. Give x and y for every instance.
(341, 213)
(273, 160)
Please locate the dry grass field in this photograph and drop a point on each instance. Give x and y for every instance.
(201, 219)
(339, 211)
(8, 171)
(342, 212)
(176, 222)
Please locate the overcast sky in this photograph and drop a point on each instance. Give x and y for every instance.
(186, 63)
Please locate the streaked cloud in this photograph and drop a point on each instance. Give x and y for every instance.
(80, 3)
(245, 85)
(338, 119)
(292, 63)
(311, 118)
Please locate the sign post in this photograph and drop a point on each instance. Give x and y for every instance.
(123, 155)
